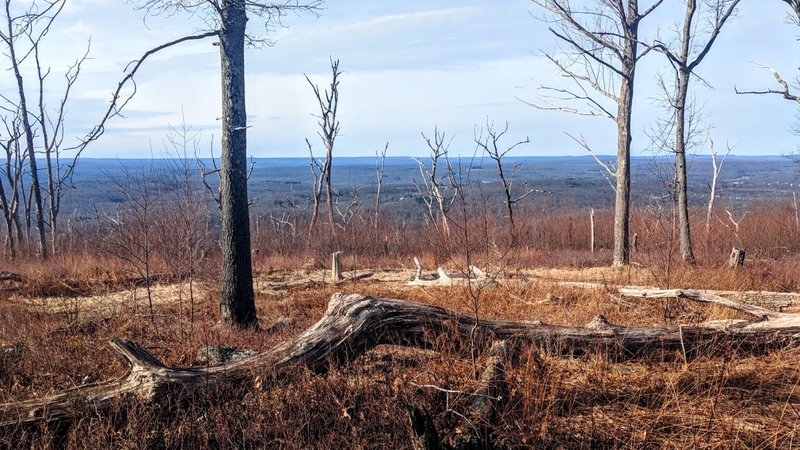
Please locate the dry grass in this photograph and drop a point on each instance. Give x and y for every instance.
(59, 321)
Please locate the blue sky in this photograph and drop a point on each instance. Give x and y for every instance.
(408, 66)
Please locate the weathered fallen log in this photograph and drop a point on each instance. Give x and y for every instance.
(702, 297)
(442, 278)
(775, 301)
(356, 277)
(353, 324)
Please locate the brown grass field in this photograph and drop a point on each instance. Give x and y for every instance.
(57, 322)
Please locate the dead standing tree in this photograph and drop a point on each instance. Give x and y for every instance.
(684, 61)
(601, 55)
(329, 129)
(716, 166)
(51, 132)
(13, 171)
(432, 187)
(489, 144)
(380, 167)
(31, 24)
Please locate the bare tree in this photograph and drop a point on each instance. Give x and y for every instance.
(488, 143)
(329, 129)
(31, 24)
(380, 166)
(51, 130)
(716, 169)
(690, 52)
(13, 170)
(227, 21)
(185, 219)
(600, 54)
(432, 190)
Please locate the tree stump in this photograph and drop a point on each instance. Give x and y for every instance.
(737, 258)
(336, 267)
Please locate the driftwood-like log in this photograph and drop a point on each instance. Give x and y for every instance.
(703, 297)
(356, 277)
(775, 301)
(354, 324)
(442, 278)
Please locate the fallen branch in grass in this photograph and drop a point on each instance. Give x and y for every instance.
(775, 301)
(354, 324)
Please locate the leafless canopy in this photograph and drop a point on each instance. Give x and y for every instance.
(592, 54)
(211, 11)
(433, 188)
(488, 140)
(329, 128)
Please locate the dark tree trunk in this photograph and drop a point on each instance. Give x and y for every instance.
(237, 305)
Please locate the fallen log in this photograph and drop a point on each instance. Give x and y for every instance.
(702, 297)
(442, 278)
(354, 324)
(356, 277)
(775, 301)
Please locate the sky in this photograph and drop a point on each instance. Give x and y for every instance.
(408, 67)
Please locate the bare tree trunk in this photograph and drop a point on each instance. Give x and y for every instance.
(680, 168)
(622, 204)
(329, 190)
(237, 304)
(591, 230)
(380, 166)
(28, 130)
(684, 62)
(329, 129)
(717, 168)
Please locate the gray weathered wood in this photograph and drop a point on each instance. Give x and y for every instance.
(354, 324)
(737, 258)
(336, 266)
